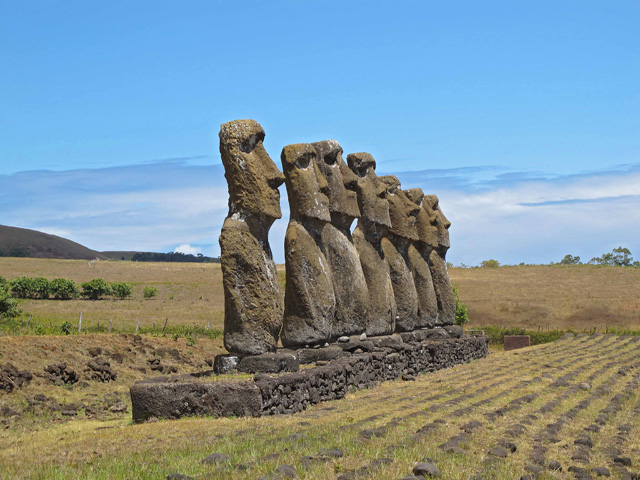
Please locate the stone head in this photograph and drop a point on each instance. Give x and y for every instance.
(343, 199)
(306, 186)
(252, 176)
(401, 210)
(439, 221)
(372, 193)
(427, 233)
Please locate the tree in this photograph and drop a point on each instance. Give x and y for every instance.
(618, 257)
(570, 260)
(490, 263)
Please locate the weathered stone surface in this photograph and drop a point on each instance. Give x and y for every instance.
(419, 260)
(253, 302)
(367, 238)
(454, 331)
(513, 342)
(175, 400)
(269, 363)
(312, 355)
(225, 364)
(402, 233)
(310, 303)
(289, 393)
(387, 341)
(439, 241)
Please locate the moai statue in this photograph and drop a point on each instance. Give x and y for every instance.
(309, 301)
(368, 238)
(439, 241)
(349, 284)
(401, 235)
(252, 298)
(418, 258)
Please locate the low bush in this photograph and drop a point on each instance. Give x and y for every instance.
(4, 285)
(121, 290)
(95, 289)
(63, 289)
(8, 305)
(150, 292)
(21, 287)
(462, 312)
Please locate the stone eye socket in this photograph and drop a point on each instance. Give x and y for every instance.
(362, 171)
(303, 162)
(331, 159)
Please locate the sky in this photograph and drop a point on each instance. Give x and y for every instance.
(523, 117)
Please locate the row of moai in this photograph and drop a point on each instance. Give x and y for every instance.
(388, 276)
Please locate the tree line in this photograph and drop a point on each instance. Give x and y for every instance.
(172, 257)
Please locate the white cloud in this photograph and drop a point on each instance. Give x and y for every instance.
(187, 249)
(510, 216)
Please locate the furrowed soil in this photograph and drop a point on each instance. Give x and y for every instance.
(580, 297)
(559, 410)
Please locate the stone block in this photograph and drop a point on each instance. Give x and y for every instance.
(326, 354)
(269, 363)
(225, 364)
(513, 342)
(176, 400)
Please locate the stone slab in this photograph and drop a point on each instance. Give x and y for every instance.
(269, 363)
(513, 342)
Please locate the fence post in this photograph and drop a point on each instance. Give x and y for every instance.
(165, 323)
(209, 325)
(110, 321)
(138, 325)
(29, 321)
(80, 323)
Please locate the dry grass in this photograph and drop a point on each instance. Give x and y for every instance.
(579, 297)
(118, 449)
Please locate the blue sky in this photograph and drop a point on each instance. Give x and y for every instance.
(522, 116)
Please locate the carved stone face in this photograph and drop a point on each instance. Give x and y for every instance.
(427, 233)
(401, 210)
(342, 182)
(252, 176)
(372, 193)
(439, 221)
(306, 186)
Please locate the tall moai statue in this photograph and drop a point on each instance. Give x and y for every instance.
(252, 298)
(368, 237)
(419, 259)
(349, 284)
(401, 235)
(309, 301)
(439, 241)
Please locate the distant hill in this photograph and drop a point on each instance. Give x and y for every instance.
(22, 242)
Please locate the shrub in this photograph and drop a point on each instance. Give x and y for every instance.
(8, 306)
(63, 289)
(4, 285)
(490, 263)
(66, 328)
(40, 287)
(462, 313)
(95, 289)
(121, 290)
(150, 292)
(22, 287)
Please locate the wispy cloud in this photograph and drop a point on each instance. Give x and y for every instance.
(174, 205)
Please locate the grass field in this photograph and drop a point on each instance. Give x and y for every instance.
(575, 402)
(580, 297)
(541, 400)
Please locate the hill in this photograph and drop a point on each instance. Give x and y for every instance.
(23, 242)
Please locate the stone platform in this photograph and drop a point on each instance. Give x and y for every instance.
(184, 395)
